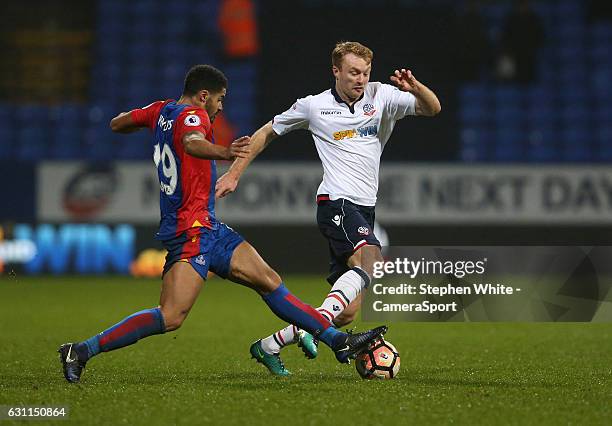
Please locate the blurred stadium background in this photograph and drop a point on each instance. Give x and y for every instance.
(520, 155)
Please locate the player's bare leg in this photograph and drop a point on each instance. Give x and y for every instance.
(248, 268)
(180, 289)
(348, 315)
(365, 257)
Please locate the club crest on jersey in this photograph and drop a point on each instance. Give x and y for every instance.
(368, 109)
(192, 120)
(363, 230)
(200, 260)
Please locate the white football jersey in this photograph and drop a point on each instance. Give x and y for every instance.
(349, 140)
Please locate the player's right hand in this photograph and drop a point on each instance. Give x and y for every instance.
(239, 148)
(226, 184)
(405, 81)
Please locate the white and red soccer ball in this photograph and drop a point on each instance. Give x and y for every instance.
(380, 361)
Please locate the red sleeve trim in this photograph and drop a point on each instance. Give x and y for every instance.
(147, 116)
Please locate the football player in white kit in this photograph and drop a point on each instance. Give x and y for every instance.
(350, 124)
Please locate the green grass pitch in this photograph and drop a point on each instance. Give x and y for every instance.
(202, 374)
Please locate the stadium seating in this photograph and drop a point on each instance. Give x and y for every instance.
(564, 115)
(141, 51)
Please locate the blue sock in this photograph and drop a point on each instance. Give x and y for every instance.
(332, 337)
(129, 331)
(291, 309)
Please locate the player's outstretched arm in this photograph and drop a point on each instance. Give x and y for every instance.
(124, 123)
(427, 103)
(227, 183)
(196, 145)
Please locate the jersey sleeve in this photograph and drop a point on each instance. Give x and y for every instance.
(192, 121)
(398, 103)
(147, 116)
(296, 117)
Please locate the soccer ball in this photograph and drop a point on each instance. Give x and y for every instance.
(380, 361)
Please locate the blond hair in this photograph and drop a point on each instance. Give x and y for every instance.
(345, 47)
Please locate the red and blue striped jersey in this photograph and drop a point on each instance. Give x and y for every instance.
(187, 183)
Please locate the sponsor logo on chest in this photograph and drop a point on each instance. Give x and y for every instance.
(361, 132)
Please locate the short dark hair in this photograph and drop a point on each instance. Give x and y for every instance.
(204, 77)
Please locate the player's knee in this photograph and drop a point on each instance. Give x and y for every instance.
(173, 320)
(174, 323)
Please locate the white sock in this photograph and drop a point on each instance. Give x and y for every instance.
(275, 342)
(345, 290)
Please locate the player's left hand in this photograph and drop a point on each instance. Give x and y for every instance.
(405, 81)
(226, 184)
